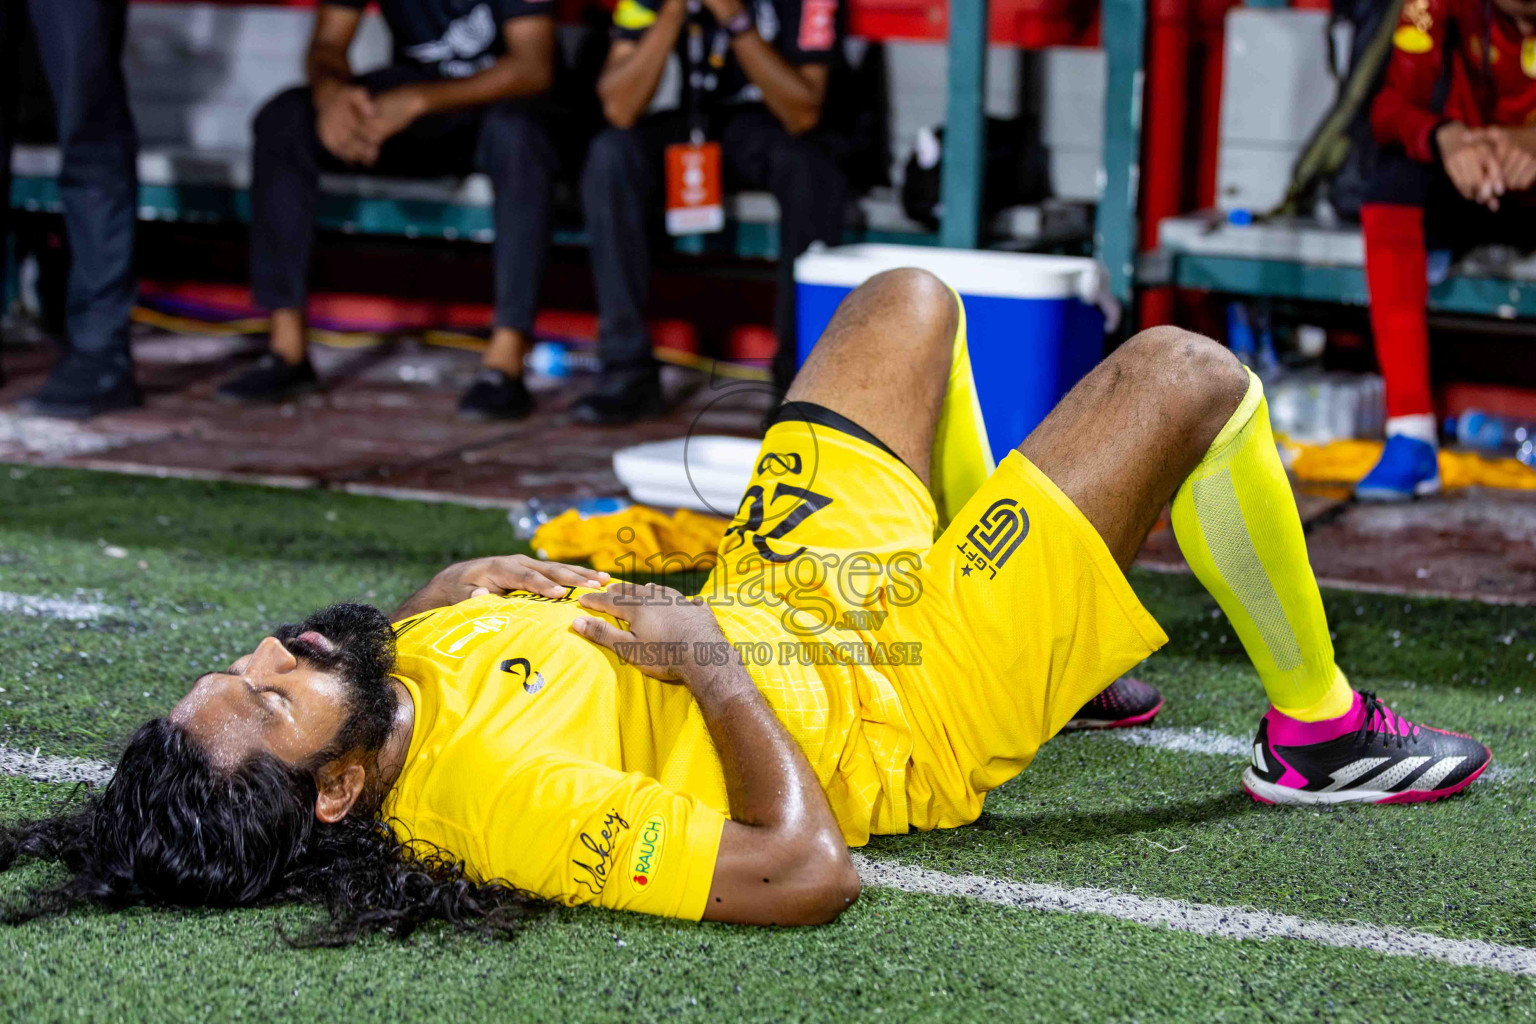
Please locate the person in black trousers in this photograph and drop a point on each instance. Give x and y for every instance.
(81, 45)
(463, 93)
(755, 78)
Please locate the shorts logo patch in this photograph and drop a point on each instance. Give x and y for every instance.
(647, 860)
(992, 540)
(779, 463)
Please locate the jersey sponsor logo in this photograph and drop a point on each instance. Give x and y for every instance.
(647, 859)
(818, 24)
(457, 641)
(521, 671)
(523, 595)
(1412, 39)
(990, 543)
(595, 859)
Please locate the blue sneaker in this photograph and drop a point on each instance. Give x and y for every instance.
(1407, 469)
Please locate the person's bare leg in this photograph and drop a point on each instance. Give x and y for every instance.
(506, 351)
(1124, 439)
(883, 361)
(287, 339)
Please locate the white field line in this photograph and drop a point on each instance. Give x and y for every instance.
(1199, 918)
(73, 609)
(1175, 915)
(41, 767)
(1188, 740)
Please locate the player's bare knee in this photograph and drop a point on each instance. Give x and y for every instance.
(923, 302)
(1191, 372)
(907, 314)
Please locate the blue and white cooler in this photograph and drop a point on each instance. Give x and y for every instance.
(1035, 323)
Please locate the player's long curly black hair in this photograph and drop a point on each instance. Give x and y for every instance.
(172, 828)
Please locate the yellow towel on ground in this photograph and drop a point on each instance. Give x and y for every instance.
(1346, 462)
(637, 540)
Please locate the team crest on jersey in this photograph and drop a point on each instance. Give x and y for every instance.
(457, 641)
(990, 543)
(647, 853)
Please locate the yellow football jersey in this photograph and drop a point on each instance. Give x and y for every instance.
(544, 760)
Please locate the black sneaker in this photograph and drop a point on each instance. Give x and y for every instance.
(78, 389)
(1124, 703)
(495, 395)
(622, 396)
(272, 379)
(1370, 754)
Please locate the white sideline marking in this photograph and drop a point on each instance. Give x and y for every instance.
(44, 768)
(1188, 740)
(1199, 918)
(1176, 915)
(73, 609)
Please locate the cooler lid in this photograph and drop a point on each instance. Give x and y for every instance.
(968, 271)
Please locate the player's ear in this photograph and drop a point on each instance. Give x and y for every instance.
(340, 783)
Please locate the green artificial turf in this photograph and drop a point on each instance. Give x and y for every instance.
(196, 572)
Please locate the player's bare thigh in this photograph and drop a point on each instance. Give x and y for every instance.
(1124, 439)
(883, 361)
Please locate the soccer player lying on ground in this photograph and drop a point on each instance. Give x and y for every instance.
(493, 746)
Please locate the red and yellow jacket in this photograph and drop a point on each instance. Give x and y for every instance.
(1487, 65)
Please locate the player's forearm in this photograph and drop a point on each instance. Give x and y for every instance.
(431, 596)
(629, 81)
(769, 783)
(326, 67)
(787, 93)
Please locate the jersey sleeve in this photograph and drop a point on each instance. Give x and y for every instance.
(810, 32)
(1403, 111)
(580, 832)
(631, 18)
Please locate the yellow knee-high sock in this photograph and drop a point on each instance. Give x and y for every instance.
(962, 458)
(1236, 522)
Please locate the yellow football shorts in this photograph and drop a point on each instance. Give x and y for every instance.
(1017, 611)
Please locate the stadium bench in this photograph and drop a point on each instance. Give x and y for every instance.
(1304, 260)
(198, 72)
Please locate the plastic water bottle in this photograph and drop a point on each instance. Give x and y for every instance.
(527, 516)
(1477, 429)
(1240, 334)
(549, 359)
(558, 361)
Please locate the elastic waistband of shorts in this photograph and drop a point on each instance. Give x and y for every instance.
(821, 416)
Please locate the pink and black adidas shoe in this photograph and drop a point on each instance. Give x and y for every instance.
(1370, 754)
(1126, 702)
